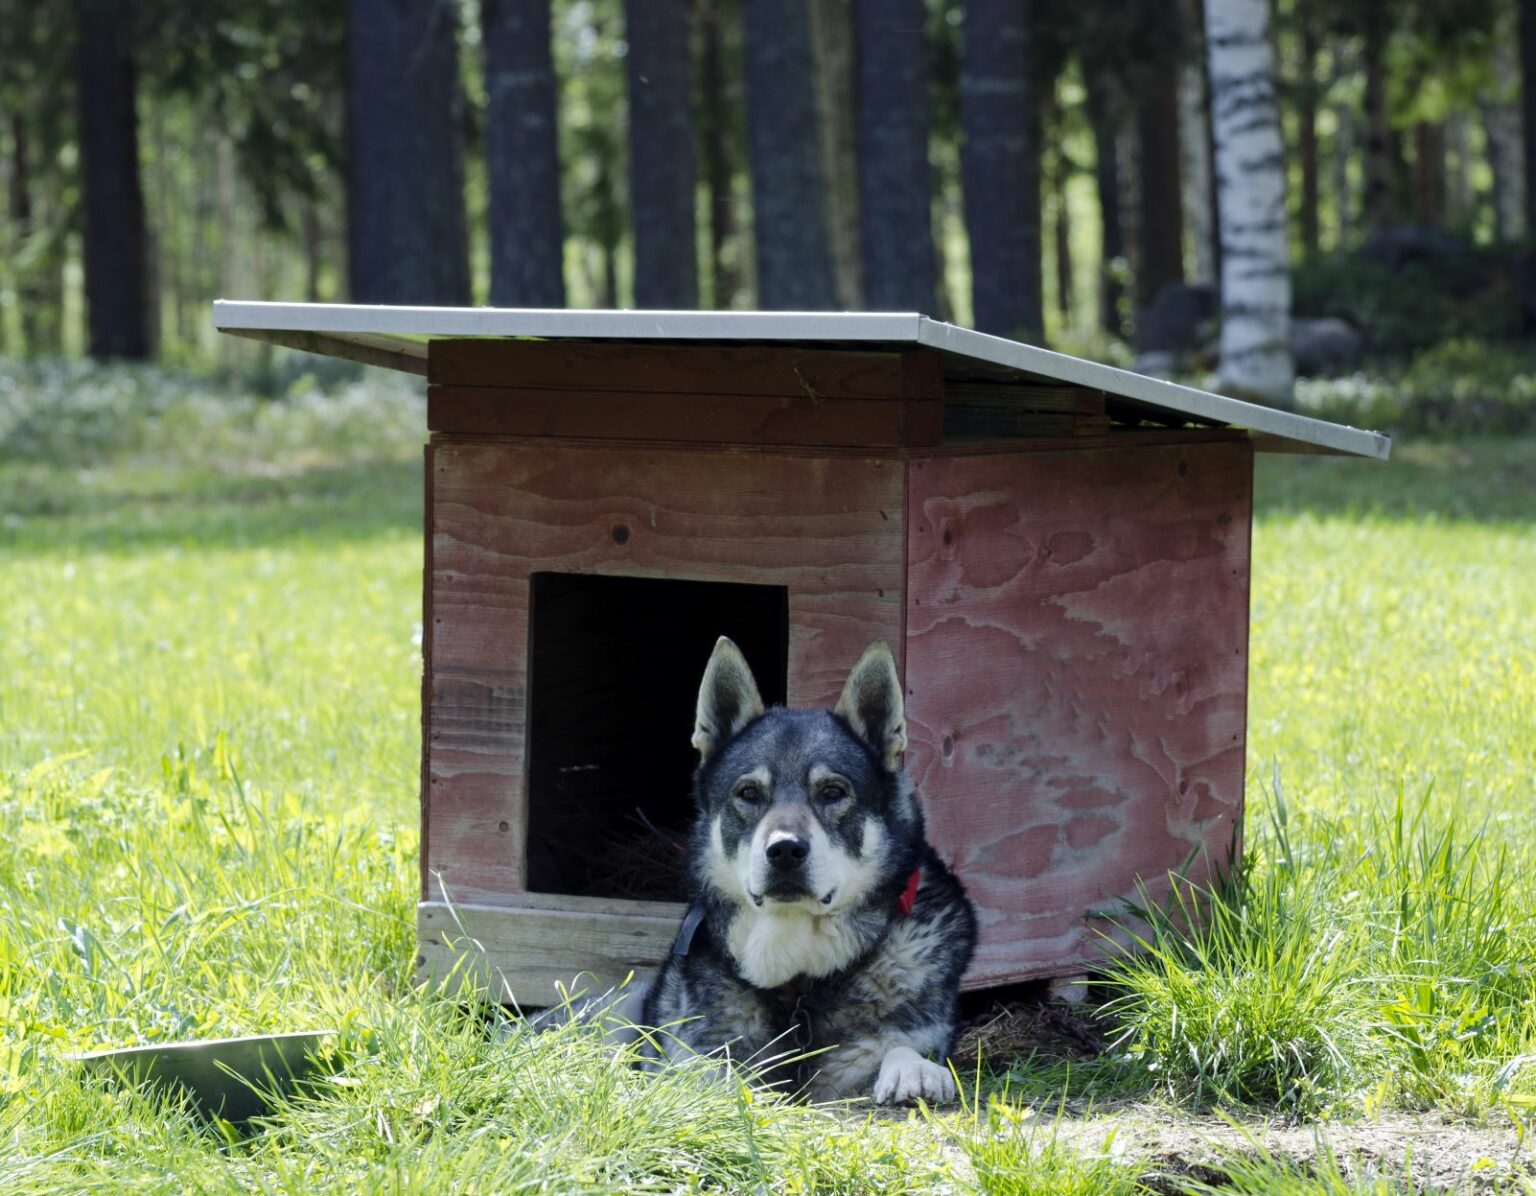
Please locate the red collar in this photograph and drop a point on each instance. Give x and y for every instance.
(908, 897)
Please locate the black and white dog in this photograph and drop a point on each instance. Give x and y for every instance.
(822, 924)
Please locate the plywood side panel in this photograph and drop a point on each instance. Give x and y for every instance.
(831, 530)
(797, 419)
(1076, 666)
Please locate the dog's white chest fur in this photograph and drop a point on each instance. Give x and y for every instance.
(772, 948)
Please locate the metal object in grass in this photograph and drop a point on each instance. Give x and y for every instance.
(231, 1078)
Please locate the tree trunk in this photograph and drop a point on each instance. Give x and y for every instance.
(714, 113)
(1506, 155)
(1255, 280)
(116, 237)
(794, 256)
(1000, 169)
(1380, 192)
(895, 183)
(1528, 105)
(1306, 126)
(1106, 177)
(19, 208)
(1195, 146)
(407, 238)
(1344, 206)
(1428, 174)
(1161, 226)
(661, 173)
(832, 47)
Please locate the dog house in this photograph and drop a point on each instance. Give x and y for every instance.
(1056, 550)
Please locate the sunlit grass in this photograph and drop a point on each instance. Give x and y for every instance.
(209, 687)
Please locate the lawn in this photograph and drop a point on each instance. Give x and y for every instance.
(209, 645)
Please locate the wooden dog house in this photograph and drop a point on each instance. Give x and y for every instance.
(1056, 550)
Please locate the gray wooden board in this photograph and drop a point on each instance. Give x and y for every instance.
(340, 329)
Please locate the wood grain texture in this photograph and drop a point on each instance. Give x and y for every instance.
(1076, 668)
(525, 953)
(792, 419)
(688, 369)
(830, 529)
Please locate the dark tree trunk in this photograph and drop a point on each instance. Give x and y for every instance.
(715, 118)
(661, 174)
(1306, 124)
(1528, 105)
(1000, 169)
(407, 238)
(1161, 226)
(832, 51)
(1428, 173)
(794, 256)
(1106, 177)
(522, 156)
(116, 237)
(894, 184)
(1380, 193)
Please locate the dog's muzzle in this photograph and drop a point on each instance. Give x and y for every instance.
(786, 854)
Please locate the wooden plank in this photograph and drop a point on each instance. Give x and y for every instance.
(795, 419)
(830, 529)
(765, 370)
(1076, 669)
(523, 953)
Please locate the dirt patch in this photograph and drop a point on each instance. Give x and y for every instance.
(1050, 1031)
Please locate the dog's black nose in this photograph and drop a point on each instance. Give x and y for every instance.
(788, 852)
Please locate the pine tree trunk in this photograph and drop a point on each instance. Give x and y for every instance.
(407, 237)
(661, 172)
(794, 255)
(1380, 192)
(1161, 260)
(832, 47)
(1000, 168)
(1195, 146)
(116, 236)
(1306, 127)
(894, 179)
(1506, 154)
(1255, 281)
(1528, 105)
(714, 114)
(1106, 177)
(1428, 173)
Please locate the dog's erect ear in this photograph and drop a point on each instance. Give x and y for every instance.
(728, 698)
(873, 705)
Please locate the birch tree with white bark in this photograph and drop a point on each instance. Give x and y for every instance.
(1256, 359)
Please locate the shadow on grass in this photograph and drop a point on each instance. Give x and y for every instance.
(45, 509)
(1482, 481)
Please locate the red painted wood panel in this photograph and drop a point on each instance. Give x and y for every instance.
(828, 528)
(1076, 667)
(702, 418)
(688, 369)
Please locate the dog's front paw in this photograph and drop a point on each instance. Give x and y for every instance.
(905, 1076)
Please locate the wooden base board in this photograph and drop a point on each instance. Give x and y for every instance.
(525, 954)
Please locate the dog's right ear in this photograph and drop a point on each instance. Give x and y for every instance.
(728, 698)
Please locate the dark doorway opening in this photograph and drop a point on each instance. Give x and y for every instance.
(614, 671)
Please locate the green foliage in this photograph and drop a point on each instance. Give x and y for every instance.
(1013, 1151)
(1419, 304)
(1461, 387)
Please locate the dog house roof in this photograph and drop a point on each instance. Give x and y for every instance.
(397, 338)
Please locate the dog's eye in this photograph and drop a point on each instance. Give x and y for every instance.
(831, 791)
(749, 793)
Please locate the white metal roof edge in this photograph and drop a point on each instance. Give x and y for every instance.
(1156, 392)
(241, 316)
(380, 331)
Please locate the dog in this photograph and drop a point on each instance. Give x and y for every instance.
(824, 931)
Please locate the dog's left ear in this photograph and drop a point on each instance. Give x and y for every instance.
(873, 705)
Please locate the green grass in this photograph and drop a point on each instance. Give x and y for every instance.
(209, 671)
